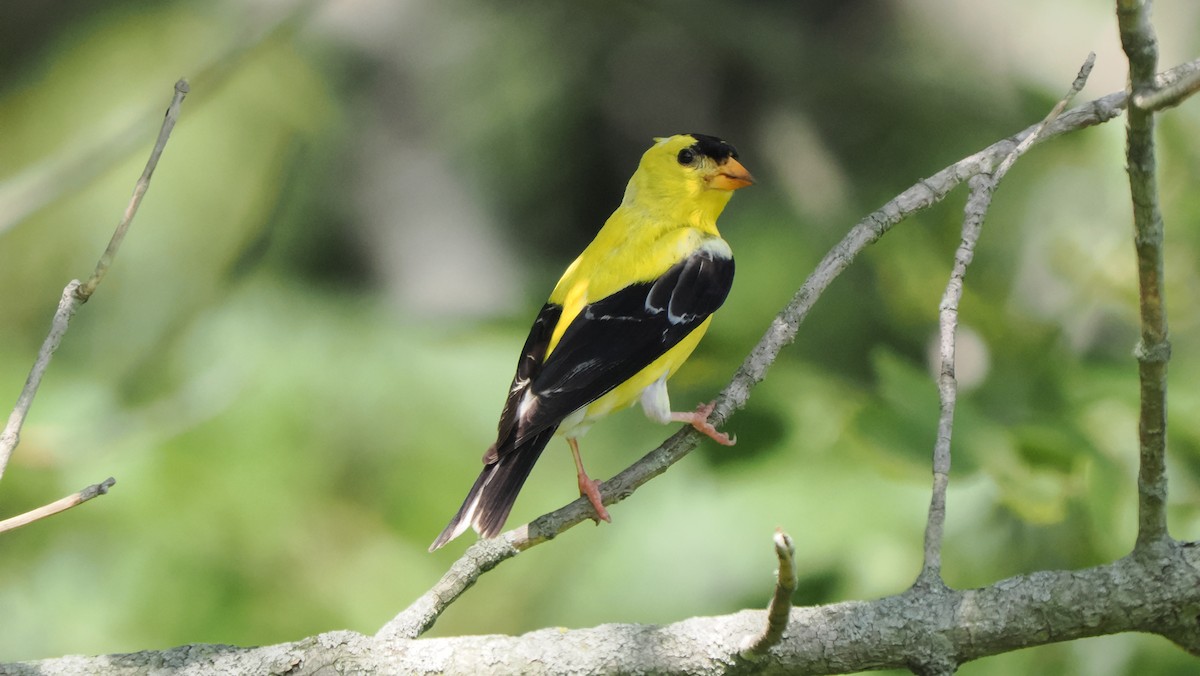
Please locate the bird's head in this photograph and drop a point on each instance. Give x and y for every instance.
(688, 167)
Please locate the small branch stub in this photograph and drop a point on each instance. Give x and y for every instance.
(780, 609)
(1168, 95)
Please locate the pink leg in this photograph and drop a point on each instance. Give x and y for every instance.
(699, 420)
(588, 487)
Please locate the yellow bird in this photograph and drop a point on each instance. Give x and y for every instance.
(623, 318)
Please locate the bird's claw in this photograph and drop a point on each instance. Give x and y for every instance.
(699, 420)
(590, 489)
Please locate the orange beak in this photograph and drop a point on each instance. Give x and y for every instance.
(731, 176)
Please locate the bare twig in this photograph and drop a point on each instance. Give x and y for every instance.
(422, 613)
(1153, 350)
(780, 609)
(1077, 86)
(11, 435)
(75, 293)
(93, 491)
(982, 186)
(86, 290)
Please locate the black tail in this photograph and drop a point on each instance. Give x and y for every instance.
(491, 498)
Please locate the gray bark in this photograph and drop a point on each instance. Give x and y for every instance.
(929, 629)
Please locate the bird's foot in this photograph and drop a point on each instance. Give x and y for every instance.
(590, 489)
(699, 420)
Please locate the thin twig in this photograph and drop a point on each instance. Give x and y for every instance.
(11, 435)
(1077, 86)
(422, 613)
(982, 186)
(486, 554)
(75, 293)
(780, 609)
(1153, 350)
(139, 191)
(93, 491)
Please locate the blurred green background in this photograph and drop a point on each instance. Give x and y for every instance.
(301, 352)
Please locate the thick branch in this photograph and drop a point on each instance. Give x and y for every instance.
(897, 632)
(1153, 350)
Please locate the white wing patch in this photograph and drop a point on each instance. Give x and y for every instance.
(526, 404)
(716, 249)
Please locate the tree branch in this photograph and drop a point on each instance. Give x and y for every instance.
(86, 290)
(1167, 96)
(779, 611)
(74, 294)
(982, 186)
(62, 505)
(11, 435)
(1154, 349)
(896, 632)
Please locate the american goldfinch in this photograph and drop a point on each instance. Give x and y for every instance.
(623, 318)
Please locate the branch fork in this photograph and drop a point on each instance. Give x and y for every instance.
(74, 294)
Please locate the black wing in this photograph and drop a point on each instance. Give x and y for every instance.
(614, 338)
(506, 465)
(608, 343)
(532, 356)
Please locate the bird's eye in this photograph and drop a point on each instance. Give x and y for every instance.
(686, 156)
